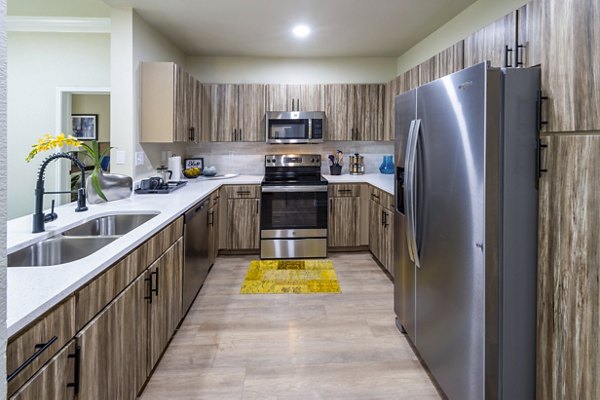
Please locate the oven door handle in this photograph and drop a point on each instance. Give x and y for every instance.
(294, 188)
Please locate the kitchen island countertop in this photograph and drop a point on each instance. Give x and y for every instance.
(31, 291)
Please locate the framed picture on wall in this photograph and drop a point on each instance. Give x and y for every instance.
(85, 126)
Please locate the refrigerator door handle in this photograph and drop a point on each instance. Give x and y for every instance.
(408, 182)
(411, 150)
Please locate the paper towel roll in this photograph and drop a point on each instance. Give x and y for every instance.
(175, 167)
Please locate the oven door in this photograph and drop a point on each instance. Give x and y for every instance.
(293, 211)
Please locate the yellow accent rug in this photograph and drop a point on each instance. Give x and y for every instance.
(290, 276)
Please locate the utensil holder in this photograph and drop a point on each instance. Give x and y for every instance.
(335, 169)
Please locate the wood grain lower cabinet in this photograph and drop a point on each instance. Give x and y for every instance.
(344, 216)
(242, 216)
(31, 348)
(568, 338)
(165, 305)
(113, 347)
(213, 228)
(55, 381)
(381, 227)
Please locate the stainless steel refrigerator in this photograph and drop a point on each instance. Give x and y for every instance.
(466, 229)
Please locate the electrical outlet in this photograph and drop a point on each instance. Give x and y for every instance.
(120, 157)
(139, 158)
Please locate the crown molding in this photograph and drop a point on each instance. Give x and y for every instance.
(58, 24)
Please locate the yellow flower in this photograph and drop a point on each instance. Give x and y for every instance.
(48, 142)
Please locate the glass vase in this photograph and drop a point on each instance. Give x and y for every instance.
(387, 166)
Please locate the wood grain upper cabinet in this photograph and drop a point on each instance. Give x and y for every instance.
(407, 81)
(242, 220)
(113, 347)
(494, 42)
(55, 381)
(563, 38)
(165, 307)
(336, 111)
(170, 104)
(442, 64)
(354, 112)
(294, 97)
(344, 225)
(236, 112)
(251, 112)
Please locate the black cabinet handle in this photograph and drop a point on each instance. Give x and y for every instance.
(40, 348)
(506, 58)
(257, 206)
(155, 290)
(520, 51)
(211, 218)
(243, 192)
(375, 196)
(344, 190)
(149, 297)
(240, 134)
(234, 134)
(330, 206)
(540, 100)
(77, 370)
(538, 161)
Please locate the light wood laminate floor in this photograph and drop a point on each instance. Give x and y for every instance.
(291, 346)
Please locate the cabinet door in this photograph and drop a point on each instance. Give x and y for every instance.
(53, 382)
(113, 347)
(242, 224)
(277, 98)
(344, 222)
(407, 81)
(193, 111)
(568, 268)
(375, 231)
(442, 64)
(251, 113)
(366, 111)
(165, 309)
(387, 247)
(563, 37)
(206, 116)
(310, 98)
(213, 234)
(336, 111)
(224, 112)
(181, 133)
(489, 43)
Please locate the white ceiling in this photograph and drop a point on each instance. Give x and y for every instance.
(341, 28)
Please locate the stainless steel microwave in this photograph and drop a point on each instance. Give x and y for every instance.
(295, 126)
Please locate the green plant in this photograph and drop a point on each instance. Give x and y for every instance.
(92, 152)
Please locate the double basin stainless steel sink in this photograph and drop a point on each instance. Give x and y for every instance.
(79, 241)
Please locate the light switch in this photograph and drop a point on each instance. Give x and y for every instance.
(120, 157)
(139, 158)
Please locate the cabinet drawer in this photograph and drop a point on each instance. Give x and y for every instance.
(159, 243)
(31, 348)
(214, 198)
(344, 190)
(242, 192)
(382, 198)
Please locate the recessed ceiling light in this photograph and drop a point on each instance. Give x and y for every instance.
(301, 31)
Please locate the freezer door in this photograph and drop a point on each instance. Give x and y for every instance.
(404, 268)
(449, 213)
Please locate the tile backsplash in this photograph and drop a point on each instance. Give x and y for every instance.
(248, 157)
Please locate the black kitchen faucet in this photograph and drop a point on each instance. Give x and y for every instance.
(39, 218)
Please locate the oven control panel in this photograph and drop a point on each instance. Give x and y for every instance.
(293, 160)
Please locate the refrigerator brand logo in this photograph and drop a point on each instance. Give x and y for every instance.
(465, 86)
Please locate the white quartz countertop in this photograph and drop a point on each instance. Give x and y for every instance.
(384, 182)
(32, 291)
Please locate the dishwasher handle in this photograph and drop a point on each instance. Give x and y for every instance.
(198, 207)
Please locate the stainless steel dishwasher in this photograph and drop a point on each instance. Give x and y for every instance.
(196, 266)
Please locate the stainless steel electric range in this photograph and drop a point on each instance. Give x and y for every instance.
(293, 218)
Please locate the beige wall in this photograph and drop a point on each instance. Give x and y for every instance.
(94, 104)
(292, 70)
(470, 20)
(39, 63)
(133, 41)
